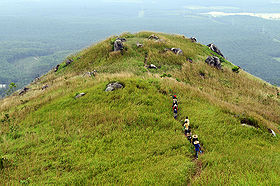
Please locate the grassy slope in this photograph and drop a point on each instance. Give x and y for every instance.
(129, 136)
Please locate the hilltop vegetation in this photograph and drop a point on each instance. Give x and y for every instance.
(129, 136)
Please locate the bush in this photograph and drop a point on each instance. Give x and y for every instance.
(235, 69)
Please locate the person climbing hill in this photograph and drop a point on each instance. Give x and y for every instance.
(187, 129)
(175, 110)
(197, 148)
(194, 138)
(175, 107)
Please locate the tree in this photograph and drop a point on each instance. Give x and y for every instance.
(12, 88)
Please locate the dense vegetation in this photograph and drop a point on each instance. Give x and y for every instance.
(129, 136)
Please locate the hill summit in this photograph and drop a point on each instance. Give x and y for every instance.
(104, 116)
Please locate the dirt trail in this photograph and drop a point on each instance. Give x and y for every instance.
(198, 170)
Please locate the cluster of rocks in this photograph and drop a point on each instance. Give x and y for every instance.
(113, 86)
(214, 48)
(214, 61)
(118, 44)
(177, 51)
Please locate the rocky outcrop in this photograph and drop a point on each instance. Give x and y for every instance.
(214, 48)
(118, 44)
(113, 86)
(214, 61)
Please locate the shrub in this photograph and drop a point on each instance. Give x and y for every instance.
(235, 69)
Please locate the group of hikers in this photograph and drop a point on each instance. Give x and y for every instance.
(193, 139)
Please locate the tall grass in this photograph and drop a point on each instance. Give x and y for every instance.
(129, 136)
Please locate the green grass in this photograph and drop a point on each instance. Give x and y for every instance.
(129, 136)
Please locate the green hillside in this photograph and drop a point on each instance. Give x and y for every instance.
(129, 136)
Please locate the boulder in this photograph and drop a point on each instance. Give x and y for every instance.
(272, 132)
(45, 87)
(69, 61)
(56, 68)
(23, 91)
(152, 66)
(193, 39)
(118, 45)
(153, 36)
(214, 61)
(113, 86)
(174, 50)
(90, 74)
(177, 51)
(214, 48)
(139, 45)
(80, 95)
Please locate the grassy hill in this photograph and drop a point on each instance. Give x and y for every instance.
(129, 136)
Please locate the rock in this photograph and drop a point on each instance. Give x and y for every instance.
(118, 45)
(272, 132)
(152, 66)
(177, 51)
(190, 60)
(139, 45)
(122, 39)
(45, 87)
(69, 61)
(23, 91)
(90, 74)
(174, 50)
(214, 48)
(80, 95)
(56, 68)
(153, 36)
(193, 39)
(113, 86)
(214, 61)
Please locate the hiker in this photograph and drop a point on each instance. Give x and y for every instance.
(187, 129)
(187, 121)
(197, 148)
(189, 136)
(175, 107)
(194, 138)
(175, 113)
